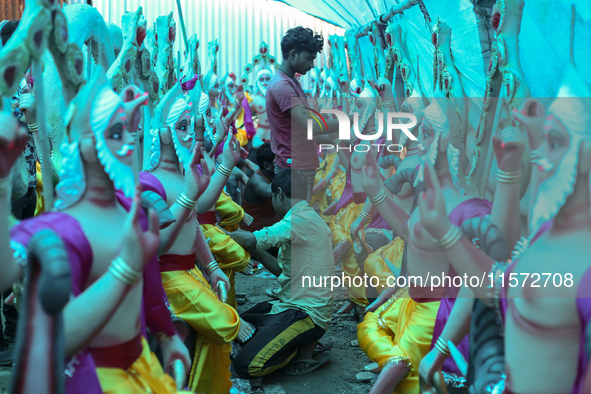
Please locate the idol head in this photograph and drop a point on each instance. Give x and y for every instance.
(171, 124)
(439, 120)
(102, 131)
(262, 80)
(563, 156)
(299, 47)
(211, 85)
(229, 86)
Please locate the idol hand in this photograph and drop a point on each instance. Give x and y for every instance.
(175, 349)
(370, 181)
(139, 247)
(231, 153)
(218, 276)
(509, 148)
(195, 182)
(432, 206)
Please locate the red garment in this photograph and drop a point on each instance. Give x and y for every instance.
(292, 147)
(175, 262)
(120, 356)
(207, 218)
(264, 213)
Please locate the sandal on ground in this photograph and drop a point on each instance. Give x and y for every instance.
(314, 365)
(320, 348)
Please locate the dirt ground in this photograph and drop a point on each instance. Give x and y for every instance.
(338, 375)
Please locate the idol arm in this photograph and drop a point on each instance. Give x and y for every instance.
(212, 194)
(506, 213)
(458, 322)
(169, 235)
(86, 315)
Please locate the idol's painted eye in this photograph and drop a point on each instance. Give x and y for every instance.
(116, 132)
(183, 125)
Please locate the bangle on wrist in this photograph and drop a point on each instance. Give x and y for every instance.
(442, 347)
(5, 184)
(211, 267)
(123, 272)
(388, 103)
(34, 127)
(186, 202)
(380, 198)
(451, 238)
(508, 177)
(365, 216)
(337, 142)
(217, 138)
(224, 171)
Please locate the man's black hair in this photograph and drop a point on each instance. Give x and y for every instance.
(292, 182)
(301, 39)
(7, 31)
(265, 154)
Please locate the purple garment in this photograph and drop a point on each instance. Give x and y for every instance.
(584, 308)
(190, 84)
(473, 208)
(83, 377)
(248, 122)
(155, 314)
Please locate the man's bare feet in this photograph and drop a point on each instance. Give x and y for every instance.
(246, 332)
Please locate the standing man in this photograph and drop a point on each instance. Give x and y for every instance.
(287, 107)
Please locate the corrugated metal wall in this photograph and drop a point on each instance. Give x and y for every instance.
(239, 25)
(10, 9)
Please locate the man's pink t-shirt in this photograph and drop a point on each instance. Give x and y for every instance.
(289, 142)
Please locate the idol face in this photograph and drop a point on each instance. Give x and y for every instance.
(182, 130)
(214, 92)
(264, 80)
(426, 137)
(552, 150)
(118, 140)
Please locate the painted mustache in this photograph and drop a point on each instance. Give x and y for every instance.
(421, 147)
(188, 138)
(543, 164)
(125, 150)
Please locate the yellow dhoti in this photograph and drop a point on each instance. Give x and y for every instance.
(400, 331)
(338, 184)
(340, 233)
(375, 264)
(191, 298)
(144, 376)
(230, 256)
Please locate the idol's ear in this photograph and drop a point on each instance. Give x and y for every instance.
(134, 99)
(165, 135)
(585, 158)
